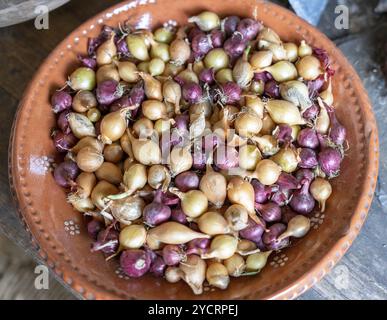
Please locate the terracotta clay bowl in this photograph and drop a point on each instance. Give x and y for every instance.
(59, 232)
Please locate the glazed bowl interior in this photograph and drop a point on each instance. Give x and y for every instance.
(59, 231)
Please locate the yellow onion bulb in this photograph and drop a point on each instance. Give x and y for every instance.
(287, 159)
(241, 192)
(217, 275)
(291, 51)
(248, 124)
(212, 223)
(309, 68)
(89, 159)
(235, 265)
(267, 172)
(132, 237)
(222, 247)
(321, 190)
(249, 155)
(113, 126)
(282, 71)
(284, 112)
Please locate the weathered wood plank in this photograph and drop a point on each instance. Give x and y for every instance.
(24, 48)
(17, 277)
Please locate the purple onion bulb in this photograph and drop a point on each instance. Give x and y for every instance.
(308, 158)
(307, 138)
(329, 160)
(60, 101)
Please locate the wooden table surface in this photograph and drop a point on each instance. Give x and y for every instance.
(361, 274)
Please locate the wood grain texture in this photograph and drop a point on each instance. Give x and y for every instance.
(17, 277)
(24, 48)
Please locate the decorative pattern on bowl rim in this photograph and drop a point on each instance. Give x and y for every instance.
(78, 281)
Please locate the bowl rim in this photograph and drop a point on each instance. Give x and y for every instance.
(87, 290)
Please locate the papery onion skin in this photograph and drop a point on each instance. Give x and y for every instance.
(282, 197)
(229, 24)
(113, 126)
(198, 246)
(287, 182)
(321, 190)
(270, 212)
(330, 160)
(174, 233)
(302, 201)
(304, 175)
(109, 172)
(133, 236)
(222, 247)
(287, 158)
(158, 267)
(83, 79)
(194, 203)
(337, 132)
(201, 45)
(206, 20)
(128, 209)
(262, 192)
(298, 227)
(212, 223)
(192, 92)
(252, 232)
(63, 122)
(214, 186)
(284, 112)
(64, 142)
(217, 275)
(249, 28)
(237, 217)
(60, 101)
(272, 89)
(308, 138)
(230, 93)
(267, 172)
(270, 238)
(178, 215)
(308, 158)
(194, 273)
(135, 263)
(108, 91)
(226, 158)
(93, 228)
(107, 242)
(283, 133)
(173, 255)
(173, 274)
(235, 265)
(101, 192)
(156, 213)
(80, 125)
(187, 181)
(65, 173)
(216, 59)
(311, 113)
(241, 192)
(217, 38)
(249, 155)
(89, 159)
(309, 68)
(207, 76)
(180, 160)
(235, 45)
